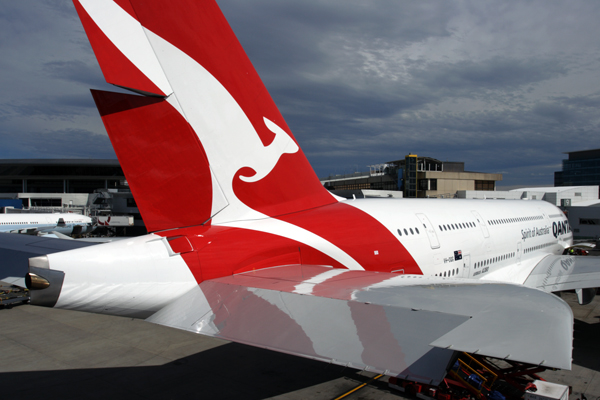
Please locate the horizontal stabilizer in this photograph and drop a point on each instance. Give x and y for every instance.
(557, 273)
(15, 251)
(403, 325)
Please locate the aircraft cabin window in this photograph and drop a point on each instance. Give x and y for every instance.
(399, 232)
(417, 229)
(411, 231)
(405, 232)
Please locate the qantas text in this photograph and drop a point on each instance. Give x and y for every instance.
(560, 228)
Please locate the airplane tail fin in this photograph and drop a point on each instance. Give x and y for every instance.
(205, 140)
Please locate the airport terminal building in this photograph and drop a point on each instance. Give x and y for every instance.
(97, 188)
(60, 176)
(415, 177)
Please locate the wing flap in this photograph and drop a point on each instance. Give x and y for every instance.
(407, 326)
(557, 273)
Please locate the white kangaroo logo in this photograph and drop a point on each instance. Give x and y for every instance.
(282, 144)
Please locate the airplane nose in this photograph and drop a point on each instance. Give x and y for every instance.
(45, 284)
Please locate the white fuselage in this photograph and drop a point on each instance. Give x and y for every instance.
(492, 239)
(499, 240)
(64, 223)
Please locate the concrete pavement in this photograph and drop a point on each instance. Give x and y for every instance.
(58, 354)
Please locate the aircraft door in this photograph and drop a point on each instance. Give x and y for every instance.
(466, 269)
(430, 230)
(519, 251)
(481, 223)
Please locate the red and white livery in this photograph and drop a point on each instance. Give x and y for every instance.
(247, 245)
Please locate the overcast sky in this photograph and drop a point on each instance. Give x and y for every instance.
(503, 86)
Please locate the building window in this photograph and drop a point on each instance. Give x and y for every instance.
(484, 185)
(45, 202)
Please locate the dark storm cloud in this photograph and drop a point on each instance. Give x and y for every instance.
(286, 38)
(555, 112)
(589, 103)
(504, 87)
(69, 143)
(495, 73)
(75, 71)
(63, 107)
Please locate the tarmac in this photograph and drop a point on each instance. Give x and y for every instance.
(57, 354)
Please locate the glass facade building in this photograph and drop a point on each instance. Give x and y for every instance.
(582, 168)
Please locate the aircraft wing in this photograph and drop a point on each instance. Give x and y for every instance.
(404, 325)
(15, 251)
(556, 273)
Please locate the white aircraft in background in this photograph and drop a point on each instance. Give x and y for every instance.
(33, 224)
(255, 250)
